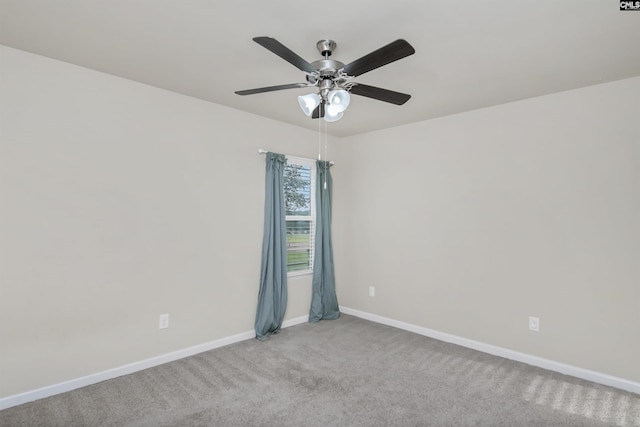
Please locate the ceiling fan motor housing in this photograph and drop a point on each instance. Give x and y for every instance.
(328, 67)
(328, 71)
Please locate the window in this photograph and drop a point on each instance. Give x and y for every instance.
(299, 199)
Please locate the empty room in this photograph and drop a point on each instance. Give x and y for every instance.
(279, 213)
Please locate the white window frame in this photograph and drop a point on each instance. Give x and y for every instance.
(311, 164)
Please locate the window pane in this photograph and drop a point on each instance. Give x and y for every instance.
(298, 245)
(297, 190)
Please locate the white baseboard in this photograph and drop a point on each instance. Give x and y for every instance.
(597, 377)
(295, 321)
(41, 393)
(585, 374)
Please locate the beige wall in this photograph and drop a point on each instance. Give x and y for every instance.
(471, 223)
(119, 202)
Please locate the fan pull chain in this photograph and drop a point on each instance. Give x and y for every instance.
(326, 165)
(319, 131)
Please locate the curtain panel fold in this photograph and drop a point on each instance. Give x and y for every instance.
(324, 302)
(272, 296)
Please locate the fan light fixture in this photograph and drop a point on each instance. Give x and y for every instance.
(332, 117)
(336, 103)
(309, 102)
(338, 100)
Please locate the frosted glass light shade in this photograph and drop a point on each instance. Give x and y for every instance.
(308, 103)
(338, 99)
(332, 115)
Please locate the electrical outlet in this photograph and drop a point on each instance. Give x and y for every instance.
(534, 324)
(372, 291)
(163, 321)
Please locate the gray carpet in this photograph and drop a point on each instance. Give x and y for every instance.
(346, 372)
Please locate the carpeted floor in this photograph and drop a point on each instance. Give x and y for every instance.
(346, 372)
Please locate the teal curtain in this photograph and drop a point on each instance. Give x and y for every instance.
(272, 297)
(324, 302)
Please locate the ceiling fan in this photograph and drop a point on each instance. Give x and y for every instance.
(333, 79)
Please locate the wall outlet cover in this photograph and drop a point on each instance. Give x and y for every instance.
(163, 321)
(534, 324)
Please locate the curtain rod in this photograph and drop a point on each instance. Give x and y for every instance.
(261, 151)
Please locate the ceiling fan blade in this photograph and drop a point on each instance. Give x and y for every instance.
(285, 53)
(380, 94)
(271, 88)
(383, 56)
(318, 112)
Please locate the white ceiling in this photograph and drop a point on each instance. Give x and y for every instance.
(469, 54)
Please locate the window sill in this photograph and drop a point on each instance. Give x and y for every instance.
(299, 273)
